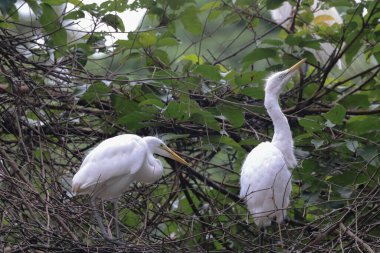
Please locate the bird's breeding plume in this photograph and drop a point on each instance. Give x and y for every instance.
(265, 177)
(110, 168)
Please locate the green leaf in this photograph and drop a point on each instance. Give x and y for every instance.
(273, 42)
(78, 3)
(152, 102)
(55, 2)
(89, 7)
(7, 5)
(147, 39)
(250, 142)
(190, 20)
(363, 124)
(230, 142)
(114, 21)
(293, 40)
(211, 5)
(206, 119)
(274, 4)
(340, 3)
(128, 44)
(167, 42)
(314, 44)
(353, 49)
(254, 92)
(336, 114)
(129, 218)
(36, 8)
(208, 72)
(176, 4)
(74, 15)
(311, 123)
(193, 58)
(306, 17)
(171, 136)
(95, 91)
(234, 114)
(176, 110)
(42, 154)
(134, 120)
(214, 14)
(122, 105)
(355, 101)
(349, 178)
(231, 18)
(243, 2)
(260, 54)
(162, 56)
(310, 166)
(114, 5)
(51, 25)
(310, 58)
(370, 154)
(9, 26)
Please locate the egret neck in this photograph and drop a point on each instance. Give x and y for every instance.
(282, 138)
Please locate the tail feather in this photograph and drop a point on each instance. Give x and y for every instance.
(76, 189)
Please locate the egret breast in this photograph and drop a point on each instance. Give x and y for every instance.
(266, 184)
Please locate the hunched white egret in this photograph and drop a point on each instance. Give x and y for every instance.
(110, 168)
(265, 177)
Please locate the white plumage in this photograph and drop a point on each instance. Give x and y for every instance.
(265, 181)
(110, 168)
(265, 177)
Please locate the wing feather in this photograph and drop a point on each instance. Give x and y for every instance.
(265, 183)
(120, 156)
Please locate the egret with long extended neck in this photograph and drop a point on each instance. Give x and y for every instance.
(265, 177)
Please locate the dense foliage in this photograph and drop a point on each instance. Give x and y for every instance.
(192, 74)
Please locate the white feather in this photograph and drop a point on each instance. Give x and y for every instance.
(282, 14)
(108, 169)
(265, 182)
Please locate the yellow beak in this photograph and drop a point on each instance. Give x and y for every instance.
(176, 157)
(296, 66)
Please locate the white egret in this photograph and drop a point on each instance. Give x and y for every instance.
(110, 168)
(322, 17)
(265, 177)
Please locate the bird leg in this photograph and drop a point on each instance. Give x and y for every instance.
(116, 218)
(281, 241)
(272, 237)
(261, 238)
(100, 222)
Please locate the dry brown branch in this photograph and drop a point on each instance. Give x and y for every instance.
(356, 238)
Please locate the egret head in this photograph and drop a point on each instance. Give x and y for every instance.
(158, 147)
(277, 81)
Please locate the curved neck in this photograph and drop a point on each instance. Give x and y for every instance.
(282, 138)
(151, 170)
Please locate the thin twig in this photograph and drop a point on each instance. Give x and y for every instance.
(356, 238)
